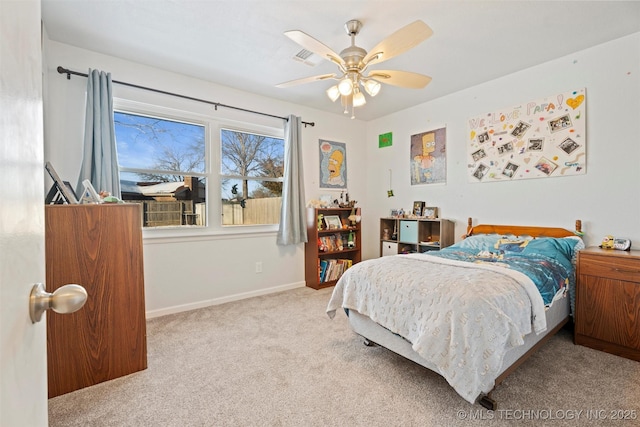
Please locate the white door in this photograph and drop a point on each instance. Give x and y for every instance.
(23, 360)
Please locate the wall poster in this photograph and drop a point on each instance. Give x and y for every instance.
(333, 164)
(429, 157)
(538, 139)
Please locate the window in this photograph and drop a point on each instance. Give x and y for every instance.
(191, 171)
(163, 167)
(251, 177)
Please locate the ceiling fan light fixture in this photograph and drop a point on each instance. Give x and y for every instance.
(372, 87)
(358, 98)
(347, 101)
(333, 93)
(345, 86)
(353, 61)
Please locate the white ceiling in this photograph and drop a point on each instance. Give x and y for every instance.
(240, 43)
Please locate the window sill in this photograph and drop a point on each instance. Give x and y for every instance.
(198, 233)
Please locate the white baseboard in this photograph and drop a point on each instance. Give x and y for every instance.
(217, 301)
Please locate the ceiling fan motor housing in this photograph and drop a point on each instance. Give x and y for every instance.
(352, 57)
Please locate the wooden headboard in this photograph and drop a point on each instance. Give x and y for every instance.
(522, 230)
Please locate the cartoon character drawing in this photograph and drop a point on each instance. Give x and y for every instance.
(334, 168)
(423, 162)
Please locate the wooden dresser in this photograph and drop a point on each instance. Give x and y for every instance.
(100, 248)
(607, 314)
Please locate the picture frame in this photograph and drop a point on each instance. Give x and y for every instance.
(333, 164)
(90, 195)
(430, 212)
(417, 208)
(61, 192)
(332, 222)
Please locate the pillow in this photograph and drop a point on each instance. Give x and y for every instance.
(479, 242)
(511, 245)
(564, 247)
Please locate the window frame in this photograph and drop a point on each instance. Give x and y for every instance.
(212, 175)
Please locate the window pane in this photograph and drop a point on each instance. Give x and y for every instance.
(246, 159)
(261, 207)
(160, 158)
(169, 203)
(153, 143)
(251, 155)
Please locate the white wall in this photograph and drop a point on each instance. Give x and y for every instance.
(185, 273)
(606, 198)
(191, 272)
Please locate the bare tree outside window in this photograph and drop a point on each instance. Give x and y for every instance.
(251, 169)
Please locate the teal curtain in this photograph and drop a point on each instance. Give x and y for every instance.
(100, 159)
(293, 228)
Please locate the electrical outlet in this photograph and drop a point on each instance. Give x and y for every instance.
(259, 267)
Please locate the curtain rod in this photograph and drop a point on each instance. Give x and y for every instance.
(62, 70)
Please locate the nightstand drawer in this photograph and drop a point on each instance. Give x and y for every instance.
(609, 267)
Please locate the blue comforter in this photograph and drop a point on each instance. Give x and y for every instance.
(548, 262)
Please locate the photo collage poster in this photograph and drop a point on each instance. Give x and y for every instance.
(537, 139)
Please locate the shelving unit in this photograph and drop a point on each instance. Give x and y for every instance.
(319, 235)
(414, 235)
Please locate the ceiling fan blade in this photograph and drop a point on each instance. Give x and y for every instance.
(307, 80)
(400, 78)
(313, 45)
(401, 41)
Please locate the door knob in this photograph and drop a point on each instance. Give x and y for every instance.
(65, 299)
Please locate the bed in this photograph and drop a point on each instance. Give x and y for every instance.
(471, 312)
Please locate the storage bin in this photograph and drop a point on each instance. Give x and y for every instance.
(409, 231)
(389, 248)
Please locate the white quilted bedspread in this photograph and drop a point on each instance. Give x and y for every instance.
(463, 317)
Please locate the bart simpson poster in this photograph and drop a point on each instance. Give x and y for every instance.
(333, 164)
(538, 139)
(429, 157)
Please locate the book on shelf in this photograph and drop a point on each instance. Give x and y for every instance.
(332, 243)
(323, 269)
(332, 269)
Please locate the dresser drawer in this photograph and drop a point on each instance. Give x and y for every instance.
(610, 267)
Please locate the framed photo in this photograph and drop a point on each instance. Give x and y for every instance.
(332, 222)
(90, 194)
(417, 208)
(61, 192)
(430, 213)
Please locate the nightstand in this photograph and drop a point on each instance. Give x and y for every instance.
(607, 315)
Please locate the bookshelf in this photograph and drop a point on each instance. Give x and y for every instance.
(414, 235)
(334, 248)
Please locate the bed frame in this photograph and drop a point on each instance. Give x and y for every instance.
(557, 315)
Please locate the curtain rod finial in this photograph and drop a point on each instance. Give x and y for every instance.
(63, 71)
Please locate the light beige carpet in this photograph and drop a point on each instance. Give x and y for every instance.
(278, 360)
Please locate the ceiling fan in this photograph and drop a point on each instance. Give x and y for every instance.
(354, 61)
